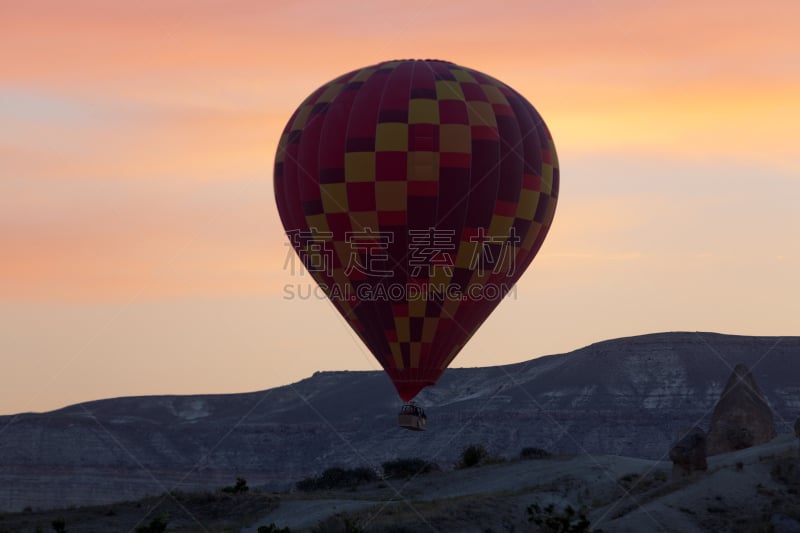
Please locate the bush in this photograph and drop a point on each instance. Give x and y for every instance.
(533, 453)
(337, 524)
(551, 521)
(272, 528)
(406, 468)
(59, 525)
(472, 455)
(338, 478)
(629, 480)
(306, 485)
(238, 488)
(156, 525)
(635, 483)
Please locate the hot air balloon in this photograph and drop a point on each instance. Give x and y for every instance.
(416, 193)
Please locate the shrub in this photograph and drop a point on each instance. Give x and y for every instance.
(272, 528)
(631, 481)
(472, 455)
(552, 521)
(635, 483)
(238, 488)
(306, 485)
(533, 453)
(406, 468)
(337, 524)
(156, 525)
(59, 525)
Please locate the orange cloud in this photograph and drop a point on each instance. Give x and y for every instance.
(119, 95)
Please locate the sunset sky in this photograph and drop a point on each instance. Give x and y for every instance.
(141, 248)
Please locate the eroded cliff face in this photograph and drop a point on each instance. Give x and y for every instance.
(628, 396)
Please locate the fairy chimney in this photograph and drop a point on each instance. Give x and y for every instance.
(742, 417)
(688, 454)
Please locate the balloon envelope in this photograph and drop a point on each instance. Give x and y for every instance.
(416, 193)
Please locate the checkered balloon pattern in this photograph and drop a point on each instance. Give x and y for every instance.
(416, 193)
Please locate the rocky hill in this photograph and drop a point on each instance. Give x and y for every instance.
(626, 397)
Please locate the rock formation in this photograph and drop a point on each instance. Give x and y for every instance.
(742, 417)
(688, 455)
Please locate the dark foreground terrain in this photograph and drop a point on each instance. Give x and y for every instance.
(752, 490)
(181, 512)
